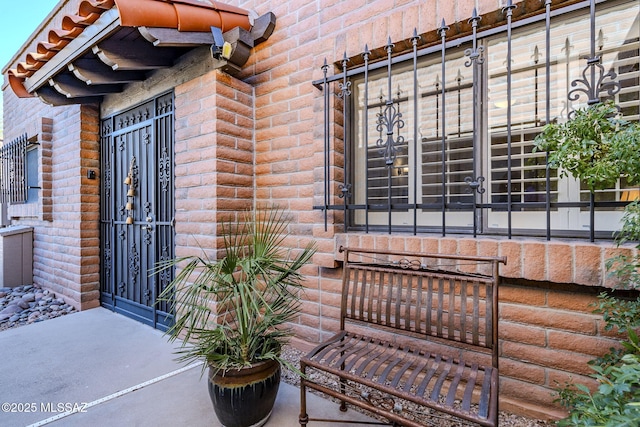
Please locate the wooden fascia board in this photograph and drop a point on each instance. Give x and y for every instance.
(108, 22)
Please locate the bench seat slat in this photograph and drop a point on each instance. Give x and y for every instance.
(414, 375)
(468, 392)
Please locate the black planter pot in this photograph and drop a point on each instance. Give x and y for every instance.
(245, 397)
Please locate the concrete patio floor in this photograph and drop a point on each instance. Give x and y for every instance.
(119, 373)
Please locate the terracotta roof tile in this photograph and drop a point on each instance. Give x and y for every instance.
(183, 15)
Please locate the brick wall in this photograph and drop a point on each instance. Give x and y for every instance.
(66, 234)
(214, 158)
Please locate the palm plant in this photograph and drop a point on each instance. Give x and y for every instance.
(232, 312)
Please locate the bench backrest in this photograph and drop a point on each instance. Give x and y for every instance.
(446, 296)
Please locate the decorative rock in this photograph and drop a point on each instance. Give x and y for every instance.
(11, 309)
(29, 304)
(29, 297)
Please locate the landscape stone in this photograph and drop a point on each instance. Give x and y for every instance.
(11, 309)
(29, 304)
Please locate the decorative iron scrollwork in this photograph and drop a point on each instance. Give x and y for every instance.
(475, 52)
(165, 274)
(147, 235)
(164, 165)
(388, 121)
(134, 263)
(107, 260)
(475, 184)
(345, 190)
(345, 85)
(594, 79)
(379, 400)
(412, 264)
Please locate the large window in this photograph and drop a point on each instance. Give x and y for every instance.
(454, 133)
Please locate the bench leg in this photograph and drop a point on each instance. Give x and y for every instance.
(343, 404)
(304, 418)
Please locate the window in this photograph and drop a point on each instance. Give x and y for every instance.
(462, 135)
(19, 172)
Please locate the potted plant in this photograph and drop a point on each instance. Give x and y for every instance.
(232, 313)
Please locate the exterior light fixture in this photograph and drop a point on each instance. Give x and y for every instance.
(220, 49)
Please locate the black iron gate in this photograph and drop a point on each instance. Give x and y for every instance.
(137, 209)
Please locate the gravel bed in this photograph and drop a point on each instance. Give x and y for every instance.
(292, 355)
(27, 304)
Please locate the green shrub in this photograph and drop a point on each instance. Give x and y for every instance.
(616, 402)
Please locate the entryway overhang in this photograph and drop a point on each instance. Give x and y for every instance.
(110, 43)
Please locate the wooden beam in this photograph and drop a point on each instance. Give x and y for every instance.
(263, 28)
(92, 71)
(50, 96)
(170, 37)
(68, 85)
(133, 55)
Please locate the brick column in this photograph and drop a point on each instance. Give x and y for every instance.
(214, 158)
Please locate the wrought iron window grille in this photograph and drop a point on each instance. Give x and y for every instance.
(397, 111)
(13, 170)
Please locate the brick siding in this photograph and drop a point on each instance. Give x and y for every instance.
(258, 138)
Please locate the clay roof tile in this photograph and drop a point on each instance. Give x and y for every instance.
(183, 15)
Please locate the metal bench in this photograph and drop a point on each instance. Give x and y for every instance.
(418, 339)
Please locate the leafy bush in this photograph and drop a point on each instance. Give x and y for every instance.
(617, 399)
(626, 267)
(596, 146)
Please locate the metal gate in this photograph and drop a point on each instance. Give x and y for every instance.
(137, 209)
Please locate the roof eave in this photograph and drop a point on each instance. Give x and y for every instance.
(98, 31)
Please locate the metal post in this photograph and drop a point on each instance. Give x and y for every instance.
(442, 31)
(508, 9)
(365, 128)
(414, 42)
